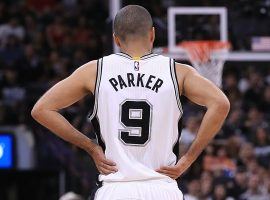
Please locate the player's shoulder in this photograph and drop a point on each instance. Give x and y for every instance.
(184, 68)
(88, 68)
(86, 73)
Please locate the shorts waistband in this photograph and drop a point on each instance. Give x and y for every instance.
(158, 181)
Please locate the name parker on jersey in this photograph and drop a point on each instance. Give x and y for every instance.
(136, 80)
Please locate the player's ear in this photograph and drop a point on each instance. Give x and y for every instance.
(152, 34)
(116, 40)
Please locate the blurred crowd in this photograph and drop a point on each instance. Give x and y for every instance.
(41, 42)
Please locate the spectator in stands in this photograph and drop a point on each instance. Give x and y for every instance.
(221, 162)
(209, 159)
(233, 144)
(188, 133)
(253, 167)
(193, 190)
(82, 34)
(230, 87)
(267, 184)
(255, 191)
(253, 121)
(246, 154)
(68, 47)
(256, 84)
(12, 92)
(56, 32)
(261, 142)
(220, 193)
(266, 101)
(239, 184)
(11, 29)
(12, 52)
(79, 58)
(232, 125)
(206, 182)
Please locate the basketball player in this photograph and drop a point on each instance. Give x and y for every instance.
(136, 113)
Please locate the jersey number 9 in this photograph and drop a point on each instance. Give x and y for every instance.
(136, 118)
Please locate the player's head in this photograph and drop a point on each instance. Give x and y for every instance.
(133, 23)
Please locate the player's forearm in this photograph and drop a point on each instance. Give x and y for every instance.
(211, 124)
(56, 123)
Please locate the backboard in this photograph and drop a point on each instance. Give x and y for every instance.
(175, 51)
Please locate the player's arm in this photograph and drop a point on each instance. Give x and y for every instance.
(64, 94)
(202, 92)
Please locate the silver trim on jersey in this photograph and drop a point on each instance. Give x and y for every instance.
(96, 92)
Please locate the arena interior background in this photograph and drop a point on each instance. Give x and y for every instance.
(43, 41)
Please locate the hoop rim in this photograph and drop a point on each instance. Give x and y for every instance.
(201, 50)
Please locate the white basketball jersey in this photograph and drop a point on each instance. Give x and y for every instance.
(136, 114)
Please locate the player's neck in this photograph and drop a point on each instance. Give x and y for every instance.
(136, 50)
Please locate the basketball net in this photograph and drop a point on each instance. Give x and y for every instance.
(208, 58)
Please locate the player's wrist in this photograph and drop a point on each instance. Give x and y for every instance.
(185, 160)
(90, 147)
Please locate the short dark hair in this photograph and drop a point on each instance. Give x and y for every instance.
(132, 20)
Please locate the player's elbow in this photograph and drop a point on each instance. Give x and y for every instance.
(223, 105)
(37, 111)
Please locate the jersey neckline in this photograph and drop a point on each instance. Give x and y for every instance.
(144, 57)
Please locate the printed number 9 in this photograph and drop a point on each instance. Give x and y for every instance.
(135, 117)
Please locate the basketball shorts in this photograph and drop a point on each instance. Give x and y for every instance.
(139, 190)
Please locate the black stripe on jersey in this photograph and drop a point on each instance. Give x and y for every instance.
(96, 126)
(151, 55)
(176, 144)
(146, 55)
(175, 83)
(96, 91)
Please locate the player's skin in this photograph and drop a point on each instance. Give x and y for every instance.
(82, 82)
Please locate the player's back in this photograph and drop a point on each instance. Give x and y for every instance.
(136, 114)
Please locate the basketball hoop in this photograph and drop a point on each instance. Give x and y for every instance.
(207, 57)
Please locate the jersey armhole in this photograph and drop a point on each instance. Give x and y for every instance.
(175, 84)
(96, 90)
